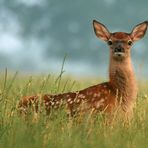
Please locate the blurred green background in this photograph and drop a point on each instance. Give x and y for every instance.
(35, 35)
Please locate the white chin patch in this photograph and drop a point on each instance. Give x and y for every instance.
(119, 54)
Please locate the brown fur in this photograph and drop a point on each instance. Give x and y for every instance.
(121, 90)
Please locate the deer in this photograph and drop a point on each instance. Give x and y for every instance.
(121, 89)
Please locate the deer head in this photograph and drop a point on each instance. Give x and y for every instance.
(120, 42)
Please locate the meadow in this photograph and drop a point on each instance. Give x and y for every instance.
(57, 130)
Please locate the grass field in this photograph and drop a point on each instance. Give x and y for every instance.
(57, 130)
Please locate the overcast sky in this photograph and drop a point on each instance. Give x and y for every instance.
(36, 34)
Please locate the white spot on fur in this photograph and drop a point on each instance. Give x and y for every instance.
(89, 93)
(99, 103)
(75, 100)
(69, 100)
(67, 95)
(48, 96)
(52, 103)
(78, 100)
(81, 96)
(97, 95)
(47, 103)
(57, 103)
(52, 98)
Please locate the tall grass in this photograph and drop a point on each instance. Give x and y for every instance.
(57, 130)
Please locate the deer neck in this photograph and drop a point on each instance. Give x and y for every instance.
(122, 78)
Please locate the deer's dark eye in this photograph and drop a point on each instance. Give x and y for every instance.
(130, 43)
(109, 42)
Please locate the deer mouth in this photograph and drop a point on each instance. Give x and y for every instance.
(119, 55)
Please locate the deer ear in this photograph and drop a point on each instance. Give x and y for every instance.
(139, 31)
(101, 31)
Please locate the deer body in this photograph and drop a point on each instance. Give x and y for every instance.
(121, 90)
(99, 97)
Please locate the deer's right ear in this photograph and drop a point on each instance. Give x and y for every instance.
(101, 31)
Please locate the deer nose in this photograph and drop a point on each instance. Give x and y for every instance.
(119, 49)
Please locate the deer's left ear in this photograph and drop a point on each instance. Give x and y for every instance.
(139, 31)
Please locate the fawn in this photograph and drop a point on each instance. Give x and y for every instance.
(120, 90)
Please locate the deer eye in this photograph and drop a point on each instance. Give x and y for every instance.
(109, 42)
(130, 43)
